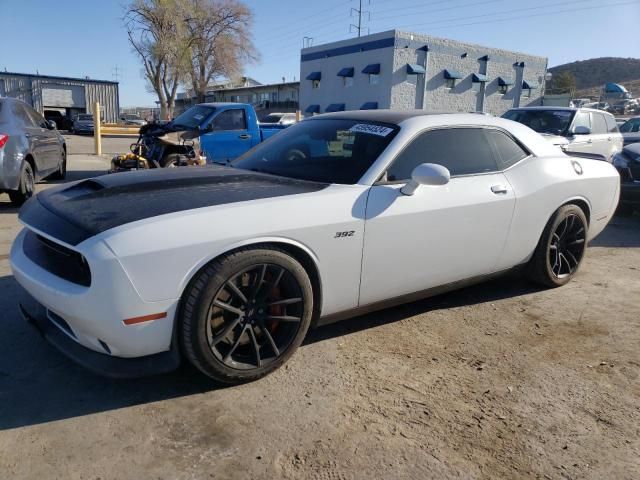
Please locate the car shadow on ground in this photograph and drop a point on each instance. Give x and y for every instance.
(622, 232)
(40, 385)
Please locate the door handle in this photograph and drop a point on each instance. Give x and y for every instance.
(244, 136)
(609, 138)
(499, 189)
(589, 141)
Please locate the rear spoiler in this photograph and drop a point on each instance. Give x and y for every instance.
(590, 156)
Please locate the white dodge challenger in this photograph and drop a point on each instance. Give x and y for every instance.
(345, 213)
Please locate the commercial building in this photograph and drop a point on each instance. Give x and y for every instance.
(67, 95)
(282, 97)
(401, 70)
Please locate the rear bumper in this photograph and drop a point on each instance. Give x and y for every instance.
(58, 334)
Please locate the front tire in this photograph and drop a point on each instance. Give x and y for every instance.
(561, 248)
(245, 314)
(26, 188)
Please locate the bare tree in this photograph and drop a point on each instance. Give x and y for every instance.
(219, 35)
(157, 34)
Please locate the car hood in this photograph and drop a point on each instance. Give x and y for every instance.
(75, 212)
(556, 139)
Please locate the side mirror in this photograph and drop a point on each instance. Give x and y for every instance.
(426, 174)
(581, 130)
(51, 125)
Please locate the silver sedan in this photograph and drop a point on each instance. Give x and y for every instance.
(31, 149)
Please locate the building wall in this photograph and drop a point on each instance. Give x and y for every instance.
(331, 88)
(429, 91)
(28, 88)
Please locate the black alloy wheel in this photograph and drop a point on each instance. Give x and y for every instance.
(245, 313)
(567, 246)
(254, 316)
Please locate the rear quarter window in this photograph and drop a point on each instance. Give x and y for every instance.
(612, 126)
(599, 125)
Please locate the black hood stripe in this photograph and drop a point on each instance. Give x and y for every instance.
(74, 213)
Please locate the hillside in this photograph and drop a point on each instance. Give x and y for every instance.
(592, 74)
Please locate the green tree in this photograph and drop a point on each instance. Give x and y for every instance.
(563, 82)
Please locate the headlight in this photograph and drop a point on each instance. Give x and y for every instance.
(620, 161)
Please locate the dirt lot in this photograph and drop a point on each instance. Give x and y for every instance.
(501, 380)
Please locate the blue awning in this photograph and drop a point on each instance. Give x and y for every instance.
(479, 78)
(369, 106)
(529, 85)
(346, 72)
(415, 69)
(373, 69)
(614, 88)
(335, 107)
(313, 109)
(452, 75)
(314, 76)
(505, 81)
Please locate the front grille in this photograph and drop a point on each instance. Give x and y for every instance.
(57, 259)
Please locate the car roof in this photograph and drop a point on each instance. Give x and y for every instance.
(384, 116)
(564, 109)
(219, 104)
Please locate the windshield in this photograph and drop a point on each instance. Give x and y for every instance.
(193, 117)
(131, 117)
(323, 150)
(631, 126)
(552, 122)
(84, 118)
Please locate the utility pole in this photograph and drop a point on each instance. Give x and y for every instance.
(115, 72)
(359, 12)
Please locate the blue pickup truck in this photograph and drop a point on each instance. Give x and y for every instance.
(226, 130)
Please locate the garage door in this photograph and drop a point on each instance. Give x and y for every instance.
(57, 95)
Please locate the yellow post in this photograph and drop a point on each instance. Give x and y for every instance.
(96, 128)
(297, 115)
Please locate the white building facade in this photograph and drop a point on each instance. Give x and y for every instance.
(402, 71)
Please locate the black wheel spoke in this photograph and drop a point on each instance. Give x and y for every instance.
(265, 332)
(567, 246)
(286, 301)
(227, 307)
(259, 281)
(236, 290)
(283, 318)
(256, 346)
(222, 335)
(235, 345)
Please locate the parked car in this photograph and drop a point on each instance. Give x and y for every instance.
(630, 130)
(132, 119)
(575, 130)
(31, 149)
(278, 119)
(62, 121)
(83, 123)
(338, 215)
(628, 164)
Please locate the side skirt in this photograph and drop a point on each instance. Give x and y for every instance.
(411, 297)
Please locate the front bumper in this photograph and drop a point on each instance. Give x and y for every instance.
(55, 330)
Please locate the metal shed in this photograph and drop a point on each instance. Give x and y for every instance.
(65, 94)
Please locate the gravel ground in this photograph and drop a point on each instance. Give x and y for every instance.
(500, 380)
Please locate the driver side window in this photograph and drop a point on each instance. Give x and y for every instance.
(464, 151)
(230, 120)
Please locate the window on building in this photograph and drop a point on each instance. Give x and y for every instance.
(412, 78)
(347, 81)
(475, 86)
(315, 83)
(464, 151)
(374, 79)
(450, 83)
(502, 89)
(527, 92)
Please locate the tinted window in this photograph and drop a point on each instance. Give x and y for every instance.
(85, 118)
(36, 118)
(553, 122)
(230, 120)
(599, 123)
(582, 120)
(508, 151)
(612, 126)
(272, 118)
(21, 116)
(330, 150)
(462, 150)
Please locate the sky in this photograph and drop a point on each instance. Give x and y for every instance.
(79, 38)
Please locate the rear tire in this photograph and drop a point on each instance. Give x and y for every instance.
(245, 314)
(26, 188)
(561, 248)
(62, 168)
(170, 161)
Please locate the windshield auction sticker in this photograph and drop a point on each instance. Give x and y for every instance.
(371, 129)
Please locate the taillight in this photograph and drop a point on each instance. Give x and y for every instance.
(3, 139)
